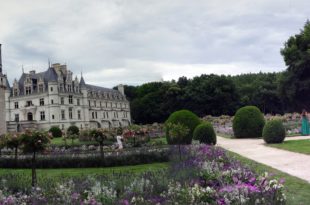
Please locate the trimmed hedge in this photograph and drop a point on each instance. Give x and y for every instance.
(185, 118)
(89, 161)
(56, 132)
(73, 130)
(274, 131)
(248, 122)
(205, 133)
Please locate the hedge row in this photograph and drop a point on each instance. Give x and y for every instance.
(89, 161)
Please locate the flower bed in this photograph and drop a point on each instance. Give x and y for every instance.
(203, 175)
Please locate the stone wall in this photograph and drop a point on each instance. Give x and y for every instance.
(2, 111)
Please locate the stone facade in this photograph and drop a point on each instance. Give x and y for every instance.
(3, 88)
(55, 98)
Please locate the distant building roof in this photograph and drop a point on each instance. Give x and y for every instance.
(100, 89)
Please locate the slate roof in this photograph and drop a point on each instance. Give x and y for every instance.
(100, 89)
(50, 75)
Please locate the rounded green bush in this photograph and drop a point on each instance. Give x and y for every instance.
(73, 130)
(205, 133)
(186, 118)
(248, 122)
(274, 131)
(56, 132)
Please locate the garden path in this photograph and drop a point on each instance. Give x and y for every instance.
(295, 164)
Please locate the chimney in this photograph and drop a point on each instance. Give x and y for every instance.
(0, 60)
(121, 89)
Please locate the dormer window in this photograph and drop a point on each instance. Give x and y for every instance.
(15, 92)
(28, 90)
(41, 88)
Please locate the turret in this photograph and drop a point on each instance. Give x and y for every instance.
(0, 60)
(3, 87)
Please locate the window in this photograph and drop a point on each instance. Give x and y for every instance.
(16, 105)
(78, 101)
(70, 113)
(28, 90)
(79, 114)
(107, 114)
(53, 117)
(95, 103)
(41, 101)
(62, 100)
(28, 103)
(106, 104)
(42, 115)
(52, 89)
(96, 115)
(89, 103)
(93, 115)
(70, 99)
(52, 101)
(103, 114)
(15, 92)
(63, 116)
(41, 88)
(16, 117)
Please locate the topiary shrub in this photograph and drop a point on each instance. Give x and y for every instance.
(248, 122)
(205, 133)
(186, 118)
(274, 131)
(73, 130)
(56, 132)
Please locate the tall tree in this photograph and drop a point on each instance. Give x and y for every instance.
(294, 85)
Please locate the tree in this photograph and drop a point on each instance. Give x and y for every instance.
(99, 136)
(294, 85)
(211, 94)
(3, 142)
(34, 142)
(178, 133)
(73, 133)
(13, 142)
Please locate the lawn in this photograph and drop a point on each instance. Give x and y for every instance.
(297, 190)
(300, 146)
(72, 172)
(60, 142)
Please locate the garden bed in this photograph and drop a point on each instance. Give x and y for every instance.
(131, 156)
(197, 175)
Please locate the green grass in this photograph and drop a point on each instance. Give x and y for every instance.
(160, 140)
(300, 146)
(297, 190)
(225, 135)
(73, 172)
(60, 142)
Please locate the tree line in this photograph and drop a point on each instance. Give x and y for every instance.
(277, 92)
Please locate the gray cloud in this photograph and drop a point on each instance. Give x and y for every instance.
(133, 42)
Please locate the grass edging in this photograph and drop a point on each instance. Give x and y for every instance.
(300, 146)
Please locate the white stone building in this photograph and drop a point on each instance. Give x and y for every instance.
(55, 98)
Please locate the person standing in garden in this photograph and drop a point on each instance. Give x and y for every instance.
(304, 123)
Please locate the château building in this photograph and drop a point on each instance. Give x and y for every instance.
(39, 100)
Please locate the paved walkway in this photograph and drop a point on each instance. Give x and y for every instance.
(295, 164)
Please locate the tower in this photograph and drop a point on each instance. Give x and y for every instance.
(3, 85)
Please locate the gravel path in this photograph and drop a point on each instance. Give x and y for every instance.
(295, 164)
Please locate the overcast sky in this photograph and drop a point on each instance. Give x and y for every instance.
(138, 41)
